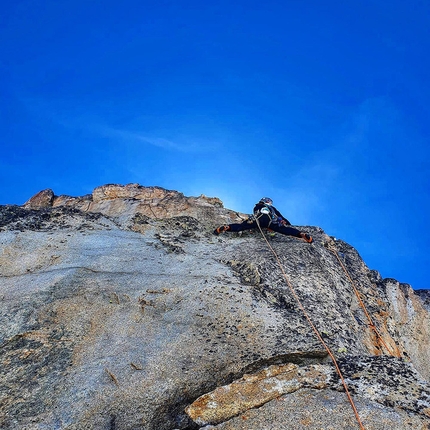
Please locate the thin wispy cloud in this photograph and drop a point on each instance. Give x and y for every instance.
(71, 117)
(132, 137)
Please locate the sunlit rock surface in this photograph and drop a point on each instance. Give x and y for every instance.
(120, 309)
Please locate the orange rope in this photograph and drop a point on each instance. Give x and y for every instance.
(315, 330)
(360, 301)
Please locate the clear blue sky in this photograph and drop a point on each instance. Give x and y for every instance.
(321, 105)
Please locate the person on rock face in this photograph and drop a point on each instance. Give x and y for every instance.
(267, 216)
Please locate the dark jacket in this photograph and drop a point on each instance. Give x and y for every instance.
(275, 213)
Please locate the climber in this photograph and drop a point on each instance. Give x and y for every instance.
(267, 216)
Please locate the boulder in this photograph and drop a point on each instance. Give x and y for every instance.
(42, 199)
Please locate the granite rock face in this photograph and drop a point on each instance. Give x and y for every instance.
(121, 309)
(253, 391)
(424, 295)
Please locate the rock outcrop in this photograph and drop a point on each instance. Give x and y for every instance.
(124, 202)
(121, 310)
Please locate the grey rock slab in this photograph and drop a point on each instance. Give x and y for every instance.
(133, 324)
(321, 409)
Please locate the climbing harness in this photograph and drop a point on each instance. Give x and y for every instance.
(266, 210)
(313, 328)
(362, 305)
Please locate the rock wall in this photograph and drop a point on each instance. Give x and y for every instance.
(120, 309)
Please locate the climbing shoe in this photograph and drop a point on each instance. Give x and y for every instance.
(221, 229)
(306, 237)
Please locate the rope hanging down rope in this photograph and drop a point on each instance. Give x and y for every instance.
(360, 301)
(357, 416)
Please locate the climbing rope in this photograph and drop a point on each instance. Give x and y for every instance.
(363, 306)
(314, 329)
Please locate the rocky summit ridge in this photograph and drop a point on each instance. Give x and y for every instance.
(121, 310)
